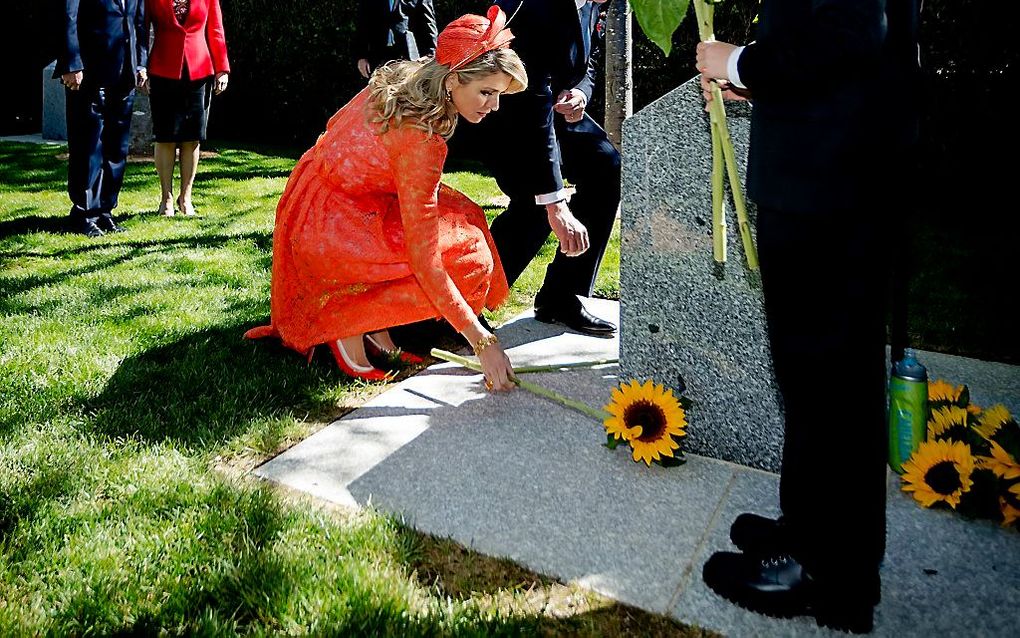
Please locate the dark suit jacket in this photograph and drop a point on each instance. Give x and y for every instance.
(103, 38)
(832, 82)
(411, 23)
(556, 46)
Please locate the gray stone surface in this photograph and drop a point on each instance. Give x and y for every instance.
(54, 115)
(989, 382)
(684, 317)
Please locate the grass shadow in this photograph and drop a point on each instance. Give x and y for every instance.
(210, 387)
(32, 167)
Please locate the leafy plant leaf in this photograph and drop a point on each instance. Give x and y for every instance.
(659, 19)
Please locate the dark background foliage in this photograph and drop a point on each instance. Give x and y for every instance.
(293, 67)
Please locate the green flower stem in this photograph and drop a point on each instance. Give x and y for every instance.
(470, 364)
(750, 252)
(553, 367)
(599, 415)
(704, 14)
(718, 215)
(564, 366)
(584, 408)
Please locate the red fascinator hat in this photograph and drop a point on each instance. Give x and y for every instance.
(470, 35)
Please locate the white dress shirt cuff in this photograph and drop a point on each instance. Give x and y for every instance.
(731, 68)
(552, 198)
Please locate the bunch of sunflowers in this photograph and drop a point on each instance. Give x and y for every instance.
(970, 460)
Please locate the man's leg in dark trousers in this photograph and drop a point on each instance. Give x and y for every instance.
(116, 142)
(824, 285)
(590, 163)
(85, 151)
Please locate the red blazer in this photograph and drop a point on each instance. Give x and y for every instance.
(200, 40)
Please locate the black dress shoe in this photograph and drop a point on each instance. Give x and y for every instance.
(755, 534)
(107, 225)
(89, 229)
(575, 318)
(779, 586)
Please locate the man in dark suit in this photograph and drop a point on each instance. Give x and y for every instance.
(832, 128)
(394, 30)
(101, 60)
(538, 138)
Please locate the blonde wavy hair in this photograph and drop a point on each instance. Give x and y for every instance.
(413, 93)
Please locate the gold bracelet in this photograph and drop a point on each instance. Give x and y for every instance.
(484, 343)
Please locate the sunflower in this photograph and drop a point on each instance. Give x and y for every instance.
(940, 391)
(992, 420)
(1000, 463)
(648, 417)
(948, 422)
(1009, 504)
(939, 471)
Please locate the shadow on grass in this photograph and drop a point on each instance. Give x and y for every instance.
(32, 167)
(35, 224)
(210, 387)
(134, 249)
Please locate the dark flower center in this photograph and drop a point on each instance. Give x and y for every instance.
(649, 416)
(943, 478)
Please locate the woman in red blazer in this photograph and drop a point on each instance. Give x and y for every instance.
(187, 64)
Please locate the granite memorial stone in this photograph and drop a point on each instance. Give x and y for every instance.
(688, 322)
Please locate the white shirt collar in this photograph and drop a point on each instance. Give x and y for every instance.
(580, 3)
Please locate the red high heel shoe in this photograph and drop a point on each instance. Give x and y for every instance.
(351, 369)
(376, 350)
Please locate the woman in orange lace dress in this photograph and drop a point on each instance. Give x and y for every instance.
(367, 238)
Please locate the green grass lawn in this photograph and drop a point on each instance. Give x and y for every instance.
(131, 410)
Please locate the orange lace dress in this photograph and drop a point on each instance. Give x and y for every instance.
(367, 238)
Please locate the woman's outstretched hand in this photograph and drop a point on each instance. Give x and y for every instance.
(496, 368)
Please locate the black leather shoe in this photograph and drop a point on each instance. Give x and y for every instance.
(778, 586)
(107, 225)
(89, 229)
(755, 534)
(577, 319)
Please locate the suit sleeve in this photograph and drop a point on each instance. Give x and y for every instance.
(841, 38)
(417, 163)
(142, 35)
(216, 38)
(69, 57)
(424, 28)
(530, 114)
(587, 83)
(362, 27)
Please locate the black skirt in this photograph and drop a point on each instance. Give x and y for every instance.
(180, 108)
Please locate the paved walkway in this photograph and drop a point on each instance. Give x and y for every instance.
(515, 475)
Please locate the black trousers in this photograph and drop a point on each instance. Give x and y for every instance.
(824, 279)
(590, 163)
(98, 138)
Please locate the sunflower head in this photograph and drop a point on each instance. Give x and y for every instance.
(1009, 503)
(992, 420)
(1000, 463)
(648, 417)
(941, 393)
(939, 472)
(948, 422)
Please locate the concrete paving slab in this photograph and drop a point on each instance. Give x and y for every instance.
(942, 575)
(518, 476)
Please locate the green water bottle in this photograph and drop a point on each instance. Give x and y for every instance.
(908, 409)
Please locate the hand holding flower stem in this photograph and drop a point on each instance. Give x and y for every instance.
(704, 13)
